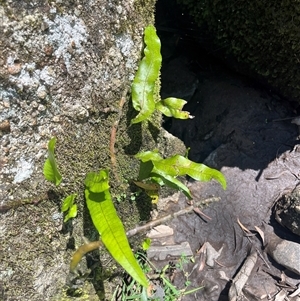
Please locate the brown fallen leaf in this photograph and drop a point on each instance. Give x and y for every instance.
(243, 227)
(261, 233)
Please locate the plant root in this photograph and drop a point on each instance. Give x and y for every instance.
(18, 203)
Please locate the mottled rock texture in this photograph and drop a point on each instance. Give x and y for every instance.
(64, 66)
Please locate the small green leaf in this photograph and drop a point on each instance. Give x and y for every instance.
(97, 182)
(68, 202)
(172, 107)
(171, 182)
(179, 166)
(165, 171)
(51, 172)
(110, 227)
(146, 244)
(148, 72)
(148, 156)
(174, 103)
(72, 213)
(145, 170)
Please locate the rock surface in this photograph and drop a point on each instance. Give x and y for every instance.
(64, 67)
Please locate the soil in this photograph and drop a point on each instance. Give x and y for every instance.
(246, 132)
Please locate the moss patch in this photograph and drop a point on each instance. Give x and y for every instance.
(258, 38)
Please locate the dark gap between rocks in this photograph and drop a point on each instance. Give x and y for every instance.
(240, 128)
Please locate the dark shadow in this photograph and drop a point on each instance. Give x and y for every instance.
(154, 131)
(229, 108)
(142, 202)
(134, 132)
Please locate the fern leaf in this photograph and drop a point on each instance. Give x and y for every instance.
(109, 225)
(144, 82)
(172, 107)
(179, 166)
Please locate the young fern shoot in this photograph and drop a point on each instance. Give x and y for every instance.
(143, 86)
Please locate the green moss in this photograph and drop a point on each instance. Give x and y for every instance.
(85, 147)
(258, 38)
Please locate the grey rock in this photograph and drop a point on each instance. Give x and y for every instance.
(284, 252)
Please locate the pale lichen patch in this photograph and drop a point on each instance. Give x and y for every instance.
(23, 171)
(67, 34)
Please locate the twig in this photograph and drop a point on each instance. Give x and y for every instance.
(113, 134)
(248, 234)
(168, 217)
(198, 211)
(18, 203)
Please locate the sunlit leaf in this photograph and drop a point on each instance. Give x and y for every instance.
(50, 171)
(68, 202)
(149, 156)
(179, 166)
(97, 182)
(144, 82)
(172, 107)
(110, 227)
(71, 213)
(146, 244)
(171, 181)
(167, 170)
(153, 194)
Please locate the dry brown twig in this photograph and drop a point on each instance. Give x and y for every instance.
(168, 217)
(18, 203)
(113, 133)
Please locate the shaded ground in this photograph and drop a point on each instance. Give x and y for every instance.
(236, 129)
